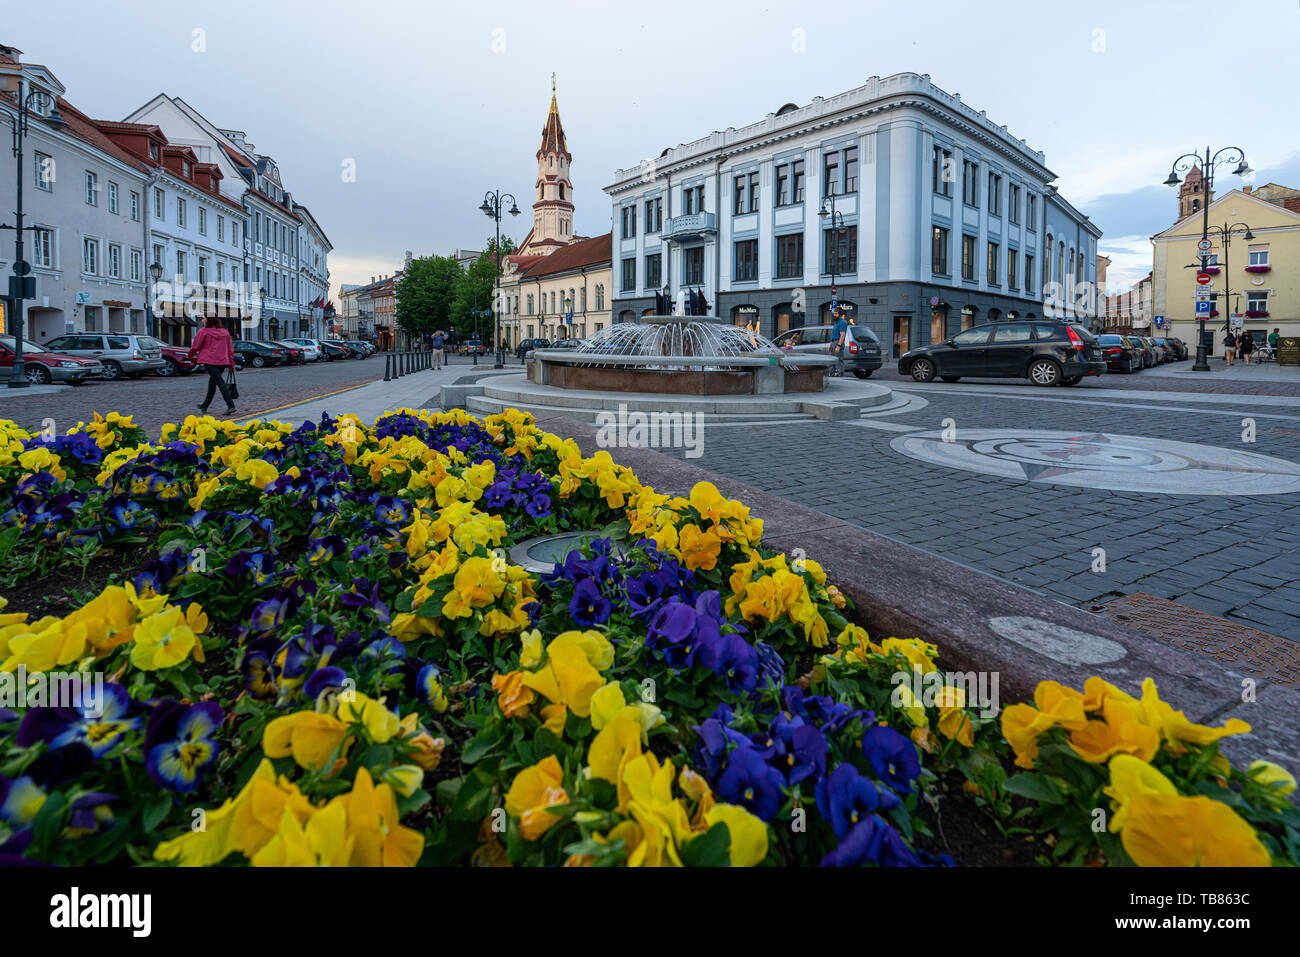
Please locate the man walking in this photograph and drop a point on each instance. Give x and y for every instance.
(437, 343)
(838, 332)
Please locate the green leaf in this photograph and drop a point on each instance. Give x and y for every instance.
(155, 810)
(8, 538)
(1036, 787)
(712, 849)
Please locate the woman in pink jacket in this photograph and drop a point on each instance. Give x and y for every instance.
(213, 348)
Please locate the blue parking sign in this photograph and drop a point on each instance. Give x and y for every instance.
(1203, 308)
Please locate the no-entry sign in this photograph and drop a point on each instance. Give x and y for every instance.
(1204, 279)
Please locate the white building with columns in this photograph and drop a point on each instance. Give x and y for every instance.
(924, 214)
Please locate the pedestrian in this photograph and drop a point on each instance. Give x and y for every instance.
(838, 332)
(1246, 345)
(1272, 343)
(1230, 347)
(437, 342)
(214, 350)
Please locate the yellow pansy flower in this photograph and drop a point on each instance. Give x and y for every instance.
(310, 737)
(533, 790)
(748, 833)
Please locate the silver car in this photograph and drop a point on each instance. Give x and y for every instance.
(862, 355)
(120, 353)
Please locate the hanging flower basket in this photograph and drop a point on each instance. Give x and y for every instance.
(1258, 268)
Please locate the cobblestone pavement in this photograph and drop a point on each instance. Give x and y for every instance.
(1232, 555)
(1239, 380)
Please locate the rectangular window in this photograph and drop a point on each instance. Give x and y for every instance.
(629, 275)
(45, 172)
(1012, 261)
(221, 229)
(135, 207)
(841, 250)
(739, 202)
(995, 194)
(203, 221)
(783, 185)
(158, 254)
(629, 222)
(92, 189)
(115, 261)
(203, 269)
(746, 260)
(653, 271)
(789, 256)
(941, 171)
(180, 212)
(43, 243)
(1257, 301)
(159, 205)
(797, 179)
(993, 264)
(90, 256)
(831, 174)
(693, 199)
(1258, 255)
(968, 258)
(1029, 274)
(939, 251)
(970, 185)
(1013, 203)
(851, 170)
(693, 260)
(112, 197)
(654, 214)
(137, 266)
(753, 191)
(1031, 218)
(180, 264)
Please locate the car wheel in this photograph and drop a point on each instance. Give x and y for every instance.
(112, 370)
(170, 368)
(37, 374)
(922, 370)
(950, 378)
(1044, 372)
(863, 373)
(258, 362)
(1072, 380)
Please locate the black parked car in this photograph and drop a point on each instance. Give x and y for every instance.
(294, 353)
(1045, 351)
(259, 354)
(1120, 353)
(528, 345)
(331, 351)
(1179, 345)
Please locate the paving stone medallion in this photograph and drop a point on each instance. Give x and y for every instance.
(1098, 460)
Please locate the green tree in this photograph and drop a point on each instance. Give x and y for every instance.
(425, 293)
(476, 289)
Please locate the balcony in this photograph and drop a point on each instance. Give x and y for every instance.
(690, 227)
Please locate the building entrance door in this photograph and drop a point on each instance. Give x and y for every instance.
(938, 326)
(901, 324)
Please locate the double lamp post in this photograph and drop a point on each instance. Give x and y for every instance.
(492, 206)
(1207, 164)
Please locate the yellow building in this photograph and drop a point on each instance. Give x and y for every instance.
(1256, 278)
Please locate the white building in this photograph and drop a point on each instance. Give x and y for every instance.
(313, 249)
(940, 218)
(83, 196)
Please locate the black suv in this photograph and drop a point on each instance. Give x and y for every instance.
(1045, 351)
(528, 345)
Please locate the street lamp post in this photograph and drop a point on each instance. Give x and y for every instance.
(155, 273)
(21, 285)
(493, 201)
(1207, 163)
(836, 220)
(1225, 232)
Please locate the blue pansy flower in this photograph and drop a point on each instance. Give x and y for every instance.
(751, 783)
(588, 606)
(893, 757)
(100, 728)
(180, 743)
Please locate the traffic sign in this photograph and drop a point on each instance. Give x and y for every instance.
(1204, 279)
(22, 267)
(1202, 309)
(1205, 245)
(934, 300)
(1204, 294)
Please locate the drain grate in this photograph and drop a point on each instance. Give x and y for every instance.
(1253, 651)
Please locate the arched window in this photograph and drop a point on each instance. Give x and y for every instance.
(1060, 262)
(530, 304)
(744, 315)
(847, 309)
(627, 315)
(583, 295)
(561, 191)
(600, 296)
(785, 318)
(1047, 262)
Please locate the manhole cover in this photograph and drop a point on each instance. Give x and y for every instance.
(1253, 651)
(1129, 463)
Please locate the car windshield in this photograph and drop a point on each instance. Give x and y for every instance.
(28, 345)
(1110, 340)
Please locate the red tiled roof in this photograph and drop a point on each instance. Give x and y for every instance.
(85, 129)
(589, 252)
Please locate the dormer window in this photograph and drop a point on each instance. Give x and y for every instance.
(153, 151)
(186, 168)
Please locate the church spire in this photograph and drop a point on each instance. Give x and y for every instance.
(553, 197)
(553, 131)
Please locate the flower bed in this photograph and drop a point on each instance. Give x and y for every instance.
(313, 649)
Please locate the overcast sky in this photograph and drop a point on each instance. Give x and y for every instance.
(437, 103)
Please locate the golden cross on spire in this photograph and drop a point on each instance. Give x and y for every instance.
(552, 82)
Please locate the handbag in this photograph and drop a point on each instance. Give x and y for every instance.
(234, 386)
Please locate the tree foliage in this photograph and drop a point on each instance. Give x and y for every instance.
(436, 293)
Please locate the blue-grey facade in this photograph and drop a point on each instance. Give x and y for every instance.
(943, 217)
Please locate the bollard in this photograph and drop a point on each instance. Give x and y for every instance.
(388, 367)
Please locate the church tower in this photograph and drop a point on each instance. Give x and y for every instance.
(1192, 195)
(553, 194)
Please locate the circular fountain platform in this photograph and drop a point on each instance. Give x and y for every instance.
(680, 355)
